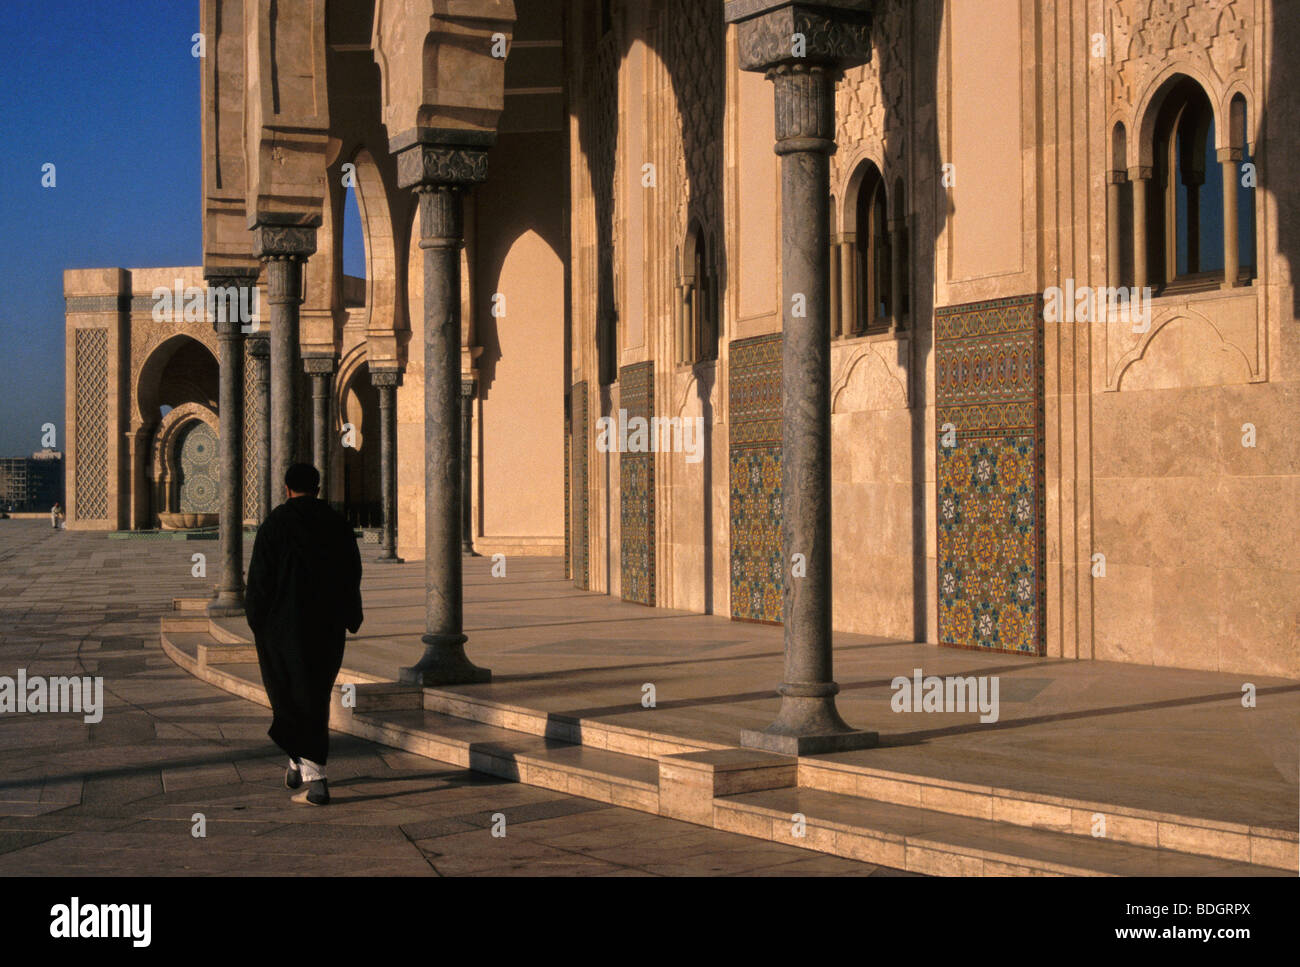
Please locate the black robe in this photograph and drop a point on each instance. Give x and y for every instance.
(304, 589)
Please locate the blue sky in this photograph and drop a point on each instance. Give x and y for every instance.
(109, 93)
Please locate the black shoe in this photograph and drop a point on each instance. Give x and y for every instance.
(317, 793)
(292, 776)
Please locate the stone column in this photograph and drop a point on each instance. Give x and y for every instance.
(833, 37)
(283, 248)
(1139, 177)
(1230, 159)
(1113, 268)
(441, 165)
(836, 304)
(468, 390)
(896, 256)
(386, 382)
(321, 370)
(848, 309)
(229, 599)
(259, 351)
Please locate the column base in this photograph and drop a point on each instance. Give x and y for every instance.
(226, 606)
(389, 560)
(468, 550)
(808, 725)
(444, 663)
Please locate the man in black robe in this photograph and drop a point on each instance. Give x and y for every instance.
(304, 589)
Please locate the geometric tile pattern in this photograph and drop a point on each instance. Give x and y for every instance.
(249, 454)
(196, 458)
(991, 479)
(754, 455)
(637, 489)
(90, 352)
(578, 470)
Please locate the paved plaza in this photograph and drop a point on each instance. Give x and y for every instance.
(119, 797)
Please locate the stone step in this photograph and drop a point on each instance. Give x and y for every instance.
(1238, 842)
(939, 843)
(620, 780)
(567, 728)
(190, 604)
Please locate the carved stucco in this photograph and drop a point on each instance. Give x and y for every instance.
(1149, 39)
(869, 103)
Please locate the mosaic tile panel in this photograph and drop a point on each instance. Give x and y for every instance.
(991, 482)
(90, 350)
(754, 454)
(578, 438)
(637, 489)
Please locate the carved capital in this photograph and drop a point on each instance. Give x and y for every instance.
(271, 242)
(468, 387)
(830, 33)
(805, 107)
(259, 347)
(386, 377)
(318, 365)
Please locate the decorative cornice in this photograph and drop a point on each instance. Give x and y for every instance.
(831, 35)
(99, 303)
(284, 241)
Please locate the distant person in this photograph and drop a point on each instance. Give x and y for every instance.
(56, 514)
(304, 589)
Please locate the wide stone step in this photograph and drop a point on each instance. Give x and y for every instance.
(932, 842)
(610, 777)
(1060, 814)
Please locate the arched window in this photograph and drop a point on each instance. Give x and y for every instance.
(1185, 206)
(871, 271)
(696, 316)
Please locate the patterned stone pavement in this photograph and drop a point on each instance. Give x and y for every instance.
(122, 797)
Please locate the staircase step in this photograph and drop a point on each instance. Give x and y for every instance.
(1138, 827)
(611, 777)
(940, 843)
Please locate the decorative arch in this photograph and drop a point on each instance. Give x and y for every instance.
(146, 390)
(378, 236)
(867, 253)
(1139, 351)
(1141, 147)
(164, 474)
(697, 307)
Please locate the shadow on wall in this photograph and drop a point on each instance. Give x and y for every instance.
(1279, 121)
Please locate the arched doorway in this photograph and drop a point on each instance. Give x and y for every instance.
(362, 499)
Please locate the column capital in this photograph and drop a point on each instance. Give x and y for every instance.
(385, 377)
(468, 385)
(1140, 173)
(1116, 176)
(319, 365)
(430, 158)
(259, 346)
(272, 242)
(829, 33)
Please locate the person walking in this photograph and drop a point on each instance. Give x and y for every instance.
(56, 513)
(304, 590)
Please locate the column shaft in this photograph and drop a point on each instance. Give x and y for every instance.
(896, 256)
(386, 382)
(1139, 177)
(467, 466)
(260, 353)
(440, 173)
(230, 587)
(284, 283)
(1114, 270)
(320, 435)
(1231, 226)
(848, 308)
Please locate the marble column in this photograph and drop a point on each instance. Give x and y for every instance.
(229, 598)
(386, 382)
(259, 352)
(468, 391)
(1230, 160)
(284, 249)
(441, 165)
(834, 37)
(321, 370)
(1140, 177)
